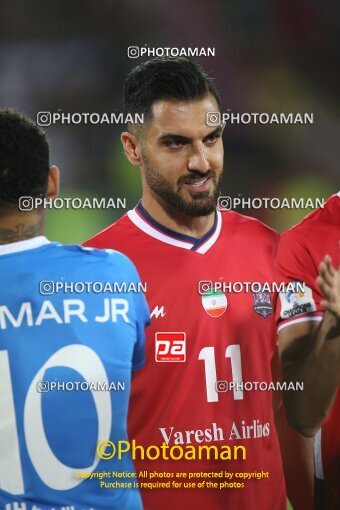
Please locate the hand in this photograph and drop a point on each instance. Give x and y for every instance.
(329, 284)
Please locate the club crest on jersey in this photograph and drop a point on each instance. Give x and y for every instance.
(262, 303)
(214, 303)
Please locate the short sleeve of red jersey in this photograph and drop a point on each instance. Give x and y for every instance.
(295, 267)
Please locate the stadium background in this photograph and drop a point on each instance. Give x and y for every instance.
(278, 56)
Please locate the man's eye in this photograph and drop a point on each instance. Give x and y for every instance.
(174, 145)
(212, 139)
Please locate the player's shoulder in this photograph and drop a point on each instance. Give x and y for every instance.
(248, 226)
(315, 221)
(84, 255)
(113, 232)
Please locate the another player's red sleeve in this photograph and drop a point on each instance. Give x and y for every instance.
(295, 266)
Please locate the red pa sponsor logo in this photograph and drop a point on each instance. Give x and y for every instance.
(170, 346)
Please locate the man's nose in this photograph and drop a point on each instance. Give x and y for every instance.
(198, 159)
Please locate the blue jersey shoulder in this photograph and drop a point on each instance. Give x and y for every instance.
(92, 259)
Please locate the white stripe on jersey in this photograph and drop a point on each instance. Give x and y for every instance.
(301, 319)
(148, 229)
(208, 244)
(318, 467)
(28, 244)
(153, 232)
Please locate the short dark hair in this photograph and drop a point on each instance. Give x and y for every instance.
(165, 78)
(24, 158)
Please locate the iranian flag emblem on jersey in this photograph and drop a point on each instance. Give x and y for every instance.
(214, 303)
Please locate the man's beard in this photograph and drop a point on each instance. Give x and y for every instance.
(201, 203)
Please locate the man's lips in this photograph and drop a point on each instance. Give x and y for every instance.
(200, 184)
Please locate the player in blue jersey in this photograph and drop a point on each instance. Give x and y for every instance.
(59, 347)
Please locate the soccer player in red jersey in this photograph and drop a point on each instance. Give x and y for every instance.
(309, 337)
(177, 237)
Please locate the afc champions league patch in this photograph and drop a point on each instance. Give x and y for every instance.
(297, 302)
(214, 303)
(262, 304)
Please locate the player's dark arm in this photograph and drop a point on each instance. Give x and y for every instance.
(296, 451)
(310, 353)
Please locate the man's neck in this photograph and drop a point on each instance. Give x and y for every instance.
(175, 220)
(20, 226)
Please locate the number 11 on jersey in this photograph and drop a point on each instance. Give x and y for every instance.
(207, 354)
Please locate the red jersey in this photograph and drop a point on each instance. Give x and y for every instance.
(220, 336)
(300, 252)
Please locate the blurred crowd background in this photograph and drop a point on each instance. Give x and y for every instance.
(271, 56)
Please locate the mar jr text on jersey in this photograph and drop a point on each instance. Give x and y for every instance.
(63, 312)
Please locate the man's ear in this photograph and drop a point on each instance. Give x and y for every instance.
(131, 148)
(53, 183)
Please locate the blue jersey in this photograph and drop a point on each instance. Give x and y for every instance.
(72, 325)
